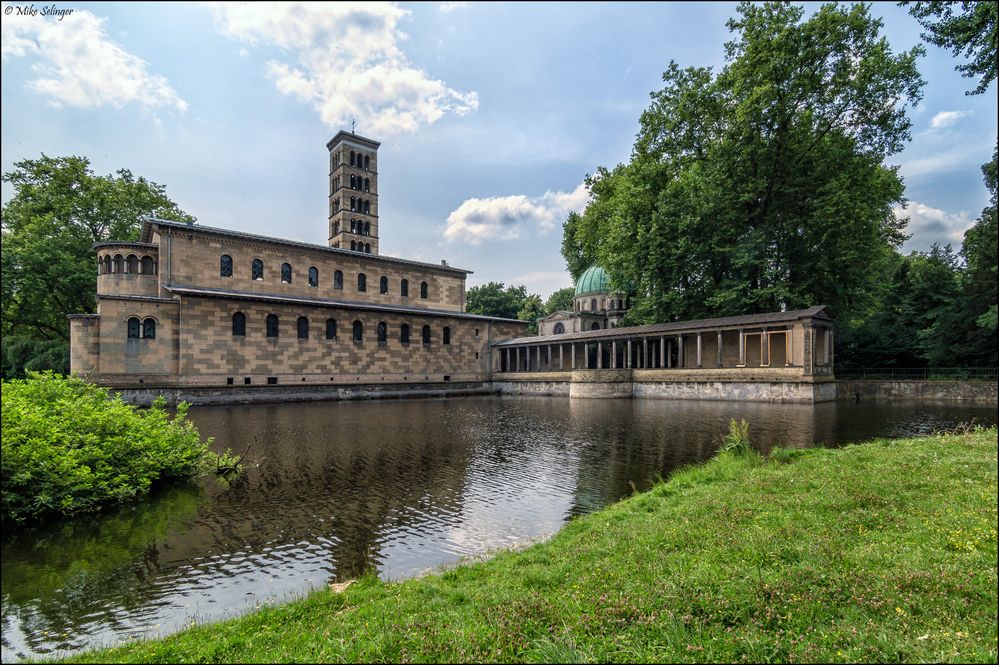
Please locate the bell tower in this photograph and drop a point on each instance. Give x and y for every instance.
(353, 192)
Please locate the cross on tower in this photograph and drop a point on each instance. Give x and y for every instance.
(352, 123)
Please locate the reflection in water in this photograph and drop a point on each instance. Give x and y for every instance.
(338, 488)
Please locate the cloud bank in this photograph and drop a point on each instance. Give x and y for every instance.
(929, 225)
(80, 65)
(345, 61)
(506, 217)
(947, 118)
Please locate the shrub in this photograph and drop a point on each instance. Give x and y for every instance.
(737, 439)
(69, 448)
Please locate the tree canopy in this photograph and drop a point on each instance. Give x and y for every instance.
(761, 186)
(59, 210)
(969, 33)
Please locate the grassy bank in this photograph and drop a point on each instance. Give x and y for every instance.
(878, 552)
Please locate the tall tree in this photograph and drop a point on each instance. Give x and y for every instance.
(493, 299)
(968, 29)
(58, 211)
(763, 186)
(560, 300)
(531, 310)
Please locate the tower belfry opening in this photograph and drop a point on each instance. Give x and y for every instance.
(353, 218)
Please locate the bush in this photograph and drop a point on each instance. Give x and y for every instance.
(737, 439)
(69, 448)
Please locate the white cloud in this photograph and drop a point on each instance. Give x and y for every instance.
(79, 65)
(947, 118)
(929, 225)
(347, 63)
(451, 6)
(503, 217)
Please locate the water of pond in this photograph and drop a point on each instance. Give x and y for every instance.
(401, 487)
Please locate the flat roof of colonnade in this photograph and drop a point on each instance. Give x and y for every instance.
(697, 325)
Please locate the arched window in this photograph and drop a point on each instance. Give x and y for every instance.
(353, 181)
(338, 279)
(107, 264)
(353, 226)
(225, 266)
(149, 329)
(330, 328)
(313, 276)
(272, 325)
(353, 204)
(404, 333)
(362, 282)
(404, 288)
(426, 335)
(367, 184)
(558, 329)
(303, 327)
(119, 263)
(382, 333)
(239, 324)
(424, 289)
(353, 158)
(595, 326)
(367, 248)
(286, 273)
(257, 269)
(358, 331)
(367, 228)
(367, 207)
(132, 262)
(133, 328)
(593, 304)
(367, 163)
(383, 285)
(353, 245)
(148, 265)
(447, 335)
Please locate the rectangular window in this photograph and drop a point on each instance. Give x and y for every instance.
(229, 381)
(247, 381)
(271, 380)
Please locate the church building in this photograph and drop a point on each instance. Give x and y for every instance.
(189, 306)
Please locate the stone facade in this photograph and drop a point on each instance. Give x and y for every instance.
(190, 306)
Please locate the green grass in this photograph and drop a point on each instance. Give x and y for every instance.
(884, 551)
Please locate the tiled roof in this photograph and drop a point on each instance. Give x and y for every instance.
(182, 289)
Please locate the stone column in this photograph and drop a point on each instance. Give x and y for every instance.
(600, 355)
(790, 345)
(698, 350)
(572, 354)
(828, 345)
(742, 347)
(627, 362)
(720, 355)
(561, 359)
(808, 349)
(662, 352)
(681, 353)
(765, 347)
(614, 354)
(539, 358)
(669, 352)
(832, 349)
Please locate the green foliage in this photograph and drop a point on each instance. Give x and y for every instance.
(493, 299)
(832, 555)
(58, 210)
(761, 186)
(68, 448)
(20, 354)
(531, 310)
(560, 300)
(970, 33)
(736, 441)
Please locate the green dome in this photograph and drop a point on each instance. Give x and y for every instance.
(594, 280)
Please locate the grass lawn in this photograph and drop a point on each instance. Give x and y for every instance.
(884, 551)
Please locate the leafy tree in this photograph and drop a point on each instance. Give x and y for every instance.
(970, 33)
(560, 300)
(58, 211)
(531, 310)
(763, 185)
(493, 299)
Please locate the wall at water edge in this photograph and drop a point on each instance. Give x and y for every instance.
(978, 392)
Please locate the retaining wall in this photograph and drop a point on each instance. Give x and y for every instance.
(979, 392)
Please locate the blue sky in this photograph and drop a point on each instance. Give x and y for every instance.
(490, 115)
